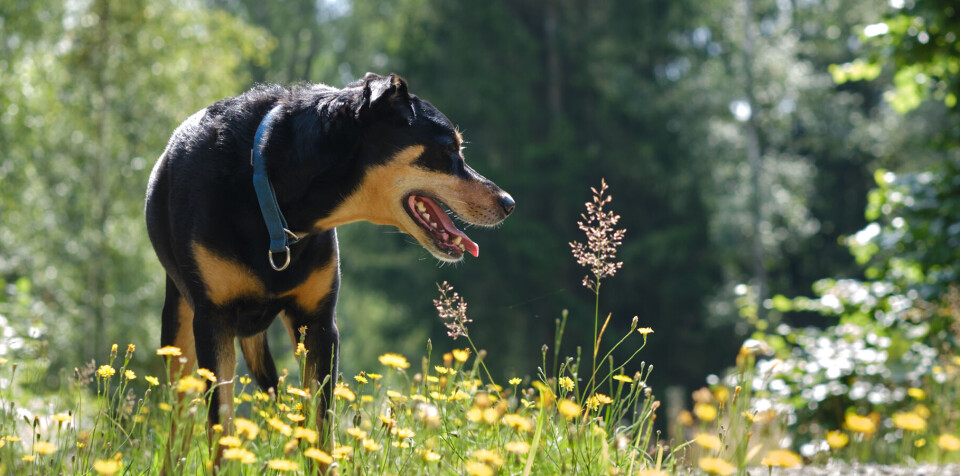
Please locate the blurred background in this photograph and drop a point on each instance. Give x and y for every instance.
(741, 140)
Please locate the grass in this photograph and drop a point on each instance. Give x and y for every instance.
(444, 415)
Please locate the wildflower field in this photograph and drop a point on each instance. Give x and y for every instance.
(447, 414)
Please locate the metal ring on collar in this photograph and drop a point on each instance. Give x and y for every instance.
(286, 263)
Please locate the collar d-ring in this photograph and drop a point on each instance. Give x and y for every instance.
(286, 250)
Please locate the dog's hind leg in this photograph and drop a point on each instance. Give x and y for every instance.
(256, 353)
(177, 330)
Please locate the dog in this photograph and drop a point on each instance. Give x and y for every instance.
(322, 157)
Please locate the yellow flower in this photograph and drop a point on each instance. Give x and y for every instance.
(370, 445)
(516, 381)
(686, 418)
(44, 448)
(169, 351)
(131, 348)
(373, 376)
(28, 458)
(860, 424)
(298, 392)
(106, 371)
(917, 393)
(344, 392)
(475, 468)
(782, 459)
(129, 375)
(429, 456)
(566, 383)
(598, 399)
(645, 330)
(217, 428)
(301, 349)
(296, 417)
(106, 467)
(360, 378)
(521, 423)
(356, 433)
(396, 361)
(721, 394)
(705, 412)
(461, 355)
(246, 428)
(318, 455)
(623, 378)
(488, 456)
(837, 439)
(282, 465)
(207, 374)
(280, 426)
(568, 409)
(948, 442)
(518, 447)
(12, 439)
(190, 384)
(245, 380)
(241, 455)
(164, 406)
(909, 421)
(920, 443)
(342, 452)
(305, 434)
(61, 417)
(652, 472)
(403, 433)
(230, 441)
(717, 466)
(708, 441)
(152, 380)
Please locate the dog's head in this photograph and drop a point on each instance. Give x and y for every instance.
(413, 172)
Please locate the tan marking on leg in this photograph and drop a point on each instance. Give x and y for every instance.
(317, 286)
(225, 279)
(226, 366)
(180, 366)
(226, 363)
(252, 348)
(183, 365)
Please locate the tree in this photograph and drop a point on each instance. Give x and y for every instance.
(91, 93)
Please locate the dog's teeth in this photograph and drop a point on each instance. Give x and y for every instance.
(426, 216)
(457, 240)
(463, 247)
(420, 207)
(433, 224)
(446, 236)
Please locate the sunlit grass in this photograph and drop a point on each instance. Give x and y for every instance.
(446, 414)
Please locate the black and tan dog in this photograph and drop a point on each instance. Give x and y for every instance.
(370, 151)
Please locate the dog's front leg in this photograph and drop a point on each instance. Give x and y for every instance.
(322, 343)
(215, 352)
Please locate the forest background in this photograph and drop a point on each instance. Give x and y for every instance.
(740, 139)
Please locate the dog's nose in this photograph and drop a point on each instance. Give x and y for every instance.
(507, 203)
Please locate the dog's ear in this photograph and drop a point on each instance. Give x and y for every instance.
(384, 96)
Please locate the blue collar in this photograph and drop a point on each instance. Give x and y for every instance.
(280, 237)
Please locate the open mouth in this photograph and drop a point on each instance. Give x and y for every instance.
(430, 216)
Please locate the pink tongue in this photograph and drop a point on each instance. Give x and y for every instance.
(445, 222)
